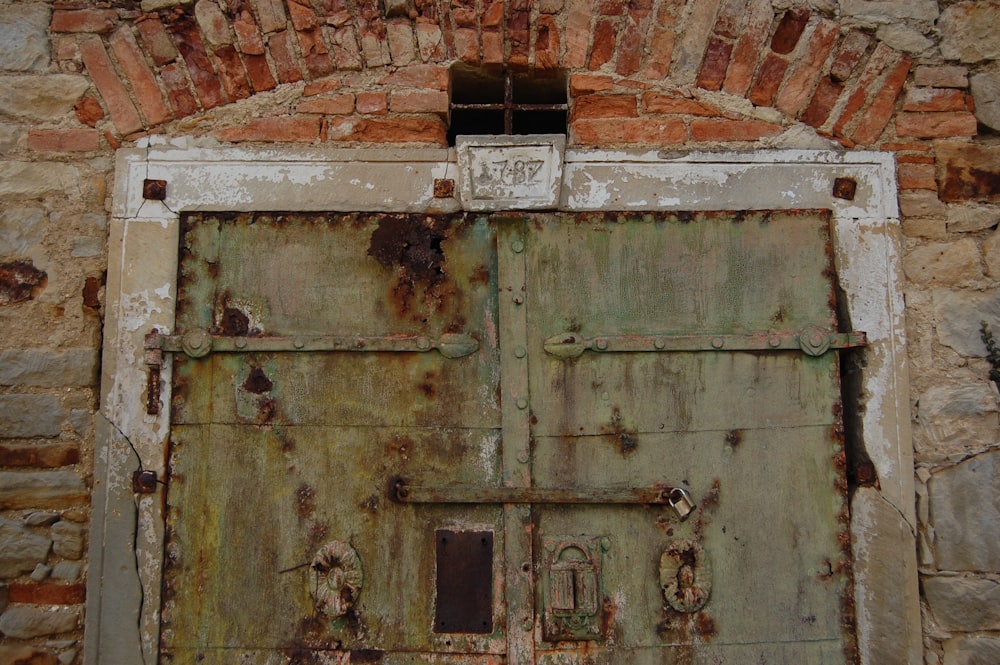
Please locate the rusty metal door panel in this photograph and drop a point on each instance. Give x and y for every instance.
(282, 545)
(751, 432)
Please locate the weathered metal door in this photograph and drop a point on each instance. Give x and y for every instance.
(523, 439)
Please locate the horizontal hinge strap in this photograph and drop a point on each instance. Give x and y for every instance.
(198, 343)
(813, 341)
(404, 493)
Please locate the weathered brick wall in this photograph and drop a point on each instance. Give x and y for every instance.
(78, 79)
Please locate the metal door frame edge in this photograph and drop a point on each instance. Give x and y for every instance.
(124, 581)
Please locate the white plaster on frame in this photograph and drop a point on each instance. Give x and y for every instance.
(141, 285)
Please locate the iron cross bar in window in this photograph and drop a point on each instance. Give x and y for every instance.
(675, 497)
(508, 106)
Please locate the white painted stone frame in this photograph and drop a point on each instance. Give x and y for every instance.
(127, 531)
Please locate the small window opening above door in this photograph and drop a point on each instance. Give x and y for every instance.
(493, 100)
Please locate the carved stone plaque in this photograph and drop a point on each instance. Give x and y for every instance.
(510, 172)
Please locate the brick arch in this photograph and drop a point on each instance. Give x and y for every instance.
(642, 71)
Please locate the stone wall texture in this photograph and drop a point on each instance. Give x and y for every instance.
(78, 79)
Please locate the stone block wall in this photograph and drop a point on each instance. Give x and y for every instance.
(78, 79)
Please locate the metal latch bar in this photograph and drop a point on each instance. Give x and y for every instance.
(812, 341)
(199, 342)
(403, 492)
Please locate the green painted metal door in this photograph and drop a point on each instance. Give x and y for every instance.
(506, 439)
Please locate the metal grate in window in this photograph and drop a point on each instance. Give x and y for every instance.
(500, 101)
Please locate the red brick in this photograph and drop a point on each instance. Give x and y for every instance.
(650, 131)
(314, 52)
(936, 125)
(429, 77)
(372, 103)
(46, 593)
(302, 15)
(789, 29)
(155, 39)
(547, 43)
(913, 159)
(826, 95)
(285, 62)
(102, 73)
(729, 22)
(332, 105)
(231, 73)
(388, 130)
(630, 48)
(345, 49)
(271, 14)
(45, 456)
(399, 35)
(419, 101)
(654, 102)
(714, 65)
(181, 99)
(467, 45)
(943, 76)
(577, 34)
(259, 73)
(295, 129)
(935, 99)
(604, 106)
(661, 49)
(733, 130)
(464, 17)
(849, 53)
(769, 77)
(585, 84)
(84, 20)
(916, 176)
(611, 7)
(805, 71)
(605, 34)
(492, 14)
(749, 46)
(883, 104)
(63, 140)
(882, 57)
(320, 87)
(492, 47)
(199, 67)
(248, 35)
(518, 36)
(144, 85)
(89, 111)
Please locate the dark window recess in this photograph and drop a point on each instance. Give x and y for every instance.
(500, 101)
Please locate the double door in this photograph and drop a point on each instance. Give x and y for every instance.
(548, 438)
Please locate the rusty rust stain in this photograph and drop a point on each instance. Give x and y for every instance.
(234, 322)
(305, 501)
(845, 188)
(734, 438)
(257, 382)
(20, 281)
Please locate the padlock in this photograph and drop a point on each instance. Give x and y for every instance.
(681, 502)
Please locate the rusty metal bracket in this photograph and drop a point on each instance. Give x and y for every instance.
(199, 342)
(813, 341)
(675, 497)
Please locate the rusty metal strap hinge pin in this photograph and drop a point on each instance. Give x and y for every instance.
(199, 342)
(812, 341)
(676, 498)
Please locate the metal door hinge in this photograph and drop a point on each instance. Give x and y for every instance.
(199, 342)
(812, 341)
(676, 498)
